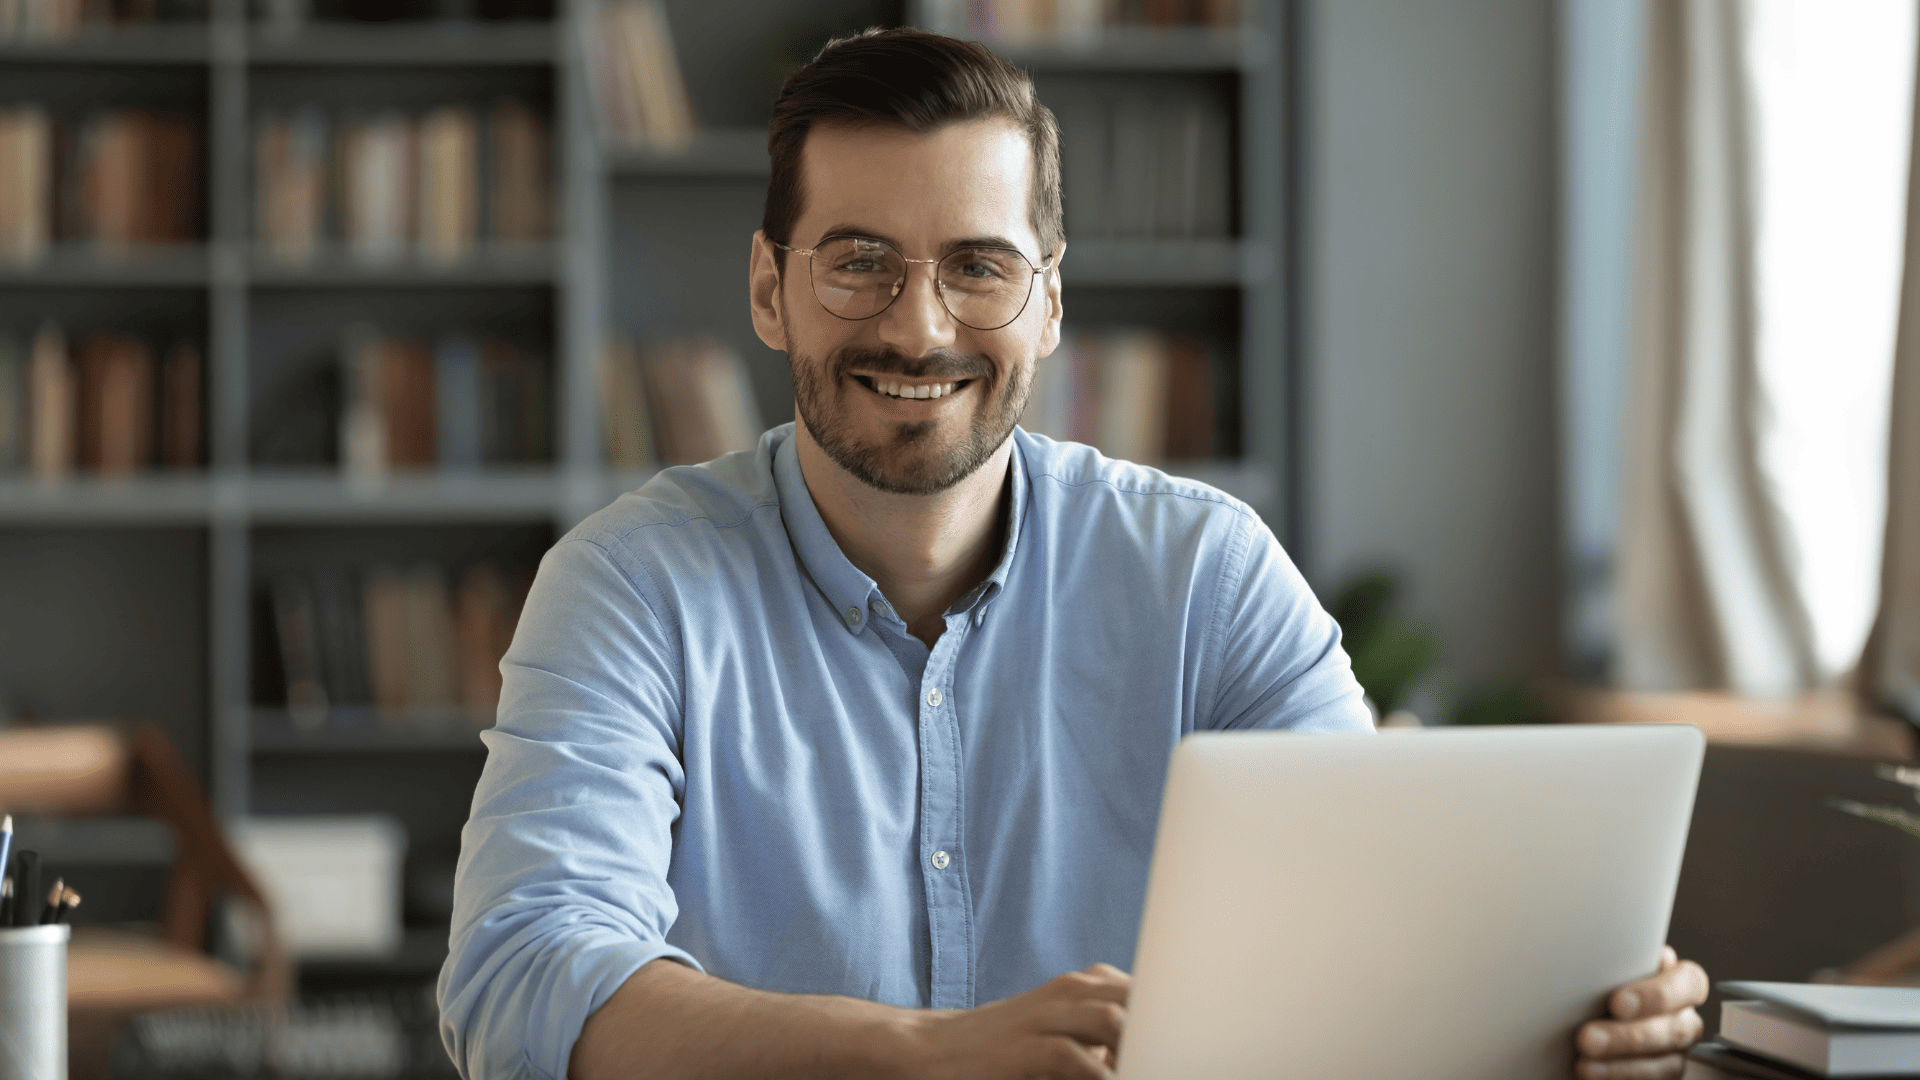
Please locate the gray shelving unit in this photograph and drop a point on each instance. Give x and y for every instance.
(647, 242)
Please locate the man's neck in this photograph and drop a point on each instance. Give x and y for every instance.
(924, 551)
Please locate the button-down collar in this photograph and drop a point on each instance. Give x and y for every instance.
(843, 584)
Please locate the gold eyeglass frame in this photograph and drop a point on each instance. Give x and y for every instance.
(899, 286)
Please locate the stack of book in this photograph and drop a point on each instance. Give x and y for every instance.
(674, 402)
(1144, 165)
(391, 185)
(413, 643)
(112, 406)
(133, 177)
(1796, 1031)
(1138, 395)
(1016, 19)
(643, 100)
(462, 404)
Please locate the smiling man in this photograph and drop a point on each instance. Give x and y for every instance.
(842, 757)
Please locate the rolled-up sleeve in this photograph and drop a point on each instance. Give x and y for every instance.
(562, 887)
(1276, 655)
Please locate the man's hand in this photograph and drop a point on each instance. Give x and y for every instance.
(1065, 1029)
(1653, 1024)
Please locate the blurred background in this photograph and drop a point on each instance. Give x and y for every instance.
(1563, 344)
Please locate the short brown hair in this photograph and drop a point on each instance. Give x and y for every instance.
(920, 81)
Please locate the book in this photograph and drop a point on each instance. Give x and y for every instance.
(297, 628)
(13, 403)
(407, 402)
(342, 637)
(1133, 396)
(26, 183)
(363, 429)
(376, 186)
(520, 197)
(516, 404)
(1716, 1059)
(486, 611)
(427, 637)
(181, 407)
(456, 371)
(290, 183)
(51, 406)
(625, 427)
(136, 178)
(1828, 1049)
(334, 882)
(642, 96)
(702, 405)
(117, 382)
(447, 199)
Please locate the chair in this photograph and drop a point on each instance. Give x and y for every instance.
(70, 771)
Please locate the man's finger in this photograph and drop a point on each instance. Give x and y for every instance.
(1605, 1039)
(1683, 984)
(1086, 984)
(1095, 1023)
(1668, 958)
(1670, 1067)
(1067, 1059)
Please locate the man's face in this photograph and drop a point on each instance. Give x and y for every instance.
(963, 185)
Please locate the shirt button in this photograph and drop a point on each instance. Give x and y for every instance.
(940, 860)
(933, 697)
(853, 616)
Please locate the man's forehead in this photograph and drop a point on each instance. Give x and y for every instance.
(963, 179)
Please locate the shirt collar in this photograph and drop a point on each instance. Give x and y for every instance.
(851, 592)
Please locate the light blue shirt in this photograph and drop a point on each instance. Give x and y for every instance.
(718, 743)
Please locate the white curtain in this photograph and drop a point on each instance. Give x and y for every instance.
(1765, 288)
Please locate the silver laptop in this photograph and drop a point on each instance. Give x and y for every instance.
(1448, 904)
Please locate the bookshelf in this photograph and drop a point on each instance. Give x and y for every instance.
(647, 242)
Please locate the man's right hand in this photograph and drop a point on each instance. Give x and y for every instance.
(1065, 1029)
(670, 1022)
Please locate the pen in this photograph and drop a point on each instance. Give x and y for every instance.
(26, 887)
(54, 896)
(6, 841)
(68, 901)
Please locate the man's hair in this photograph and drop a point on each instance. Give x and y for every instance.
(916, 80)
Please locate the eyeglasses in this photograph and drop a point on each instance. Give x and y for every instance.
(855, 277)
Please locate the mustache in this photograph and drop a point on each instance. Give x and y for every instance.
(938, 365)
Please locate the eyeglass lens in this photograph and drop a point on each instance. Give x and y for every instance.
(984, 288)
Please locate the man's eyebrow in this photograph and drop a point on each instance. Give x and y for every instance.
(961, 244)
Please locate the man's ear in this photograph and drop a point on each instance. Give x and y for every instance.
(1050, 333)
(763, 293)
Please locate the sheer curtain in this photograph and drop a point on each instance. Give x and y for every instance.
(1770, 212)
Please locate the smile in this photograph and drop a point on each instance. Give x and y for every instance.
(910, 391)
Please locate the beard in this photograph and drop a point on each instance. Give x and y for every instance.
(909, 459)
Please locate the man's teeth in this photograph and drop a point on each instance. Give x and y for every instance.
(902, 390)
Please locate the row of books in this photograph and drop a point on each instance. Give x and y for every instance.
(1138, 395)
(674, 402)
(114, 405)
(414, 640)
(999, 19)
(60, 20)
(120, 177)
(1144, 165)
(390, 184)
(636, 77)
(459, 404)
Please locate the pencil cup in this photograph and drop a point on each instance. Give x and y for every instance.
(33, 1002)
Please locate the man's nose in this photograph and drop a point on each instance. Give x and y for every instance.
(917, 323)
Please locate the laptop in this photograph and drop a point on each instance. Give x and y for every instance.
(1448, 904)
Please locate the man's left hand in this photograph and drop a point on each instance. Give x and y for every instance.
(1653, 1022)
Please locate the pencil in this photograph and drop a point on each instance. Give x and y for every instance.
(68, 901)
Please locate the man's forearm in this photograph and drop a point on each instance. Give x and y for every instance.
(668, 1021)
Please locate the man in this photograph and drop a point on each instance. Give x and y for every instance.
(842, 757)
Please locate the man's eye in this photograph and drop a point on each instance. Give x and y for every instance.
(975, 268)
(857, 266)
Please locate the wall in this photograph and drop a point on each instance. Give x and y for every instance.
(1427, 266)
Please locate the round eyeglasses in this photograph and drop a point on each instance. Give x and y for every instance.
(856, 277)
